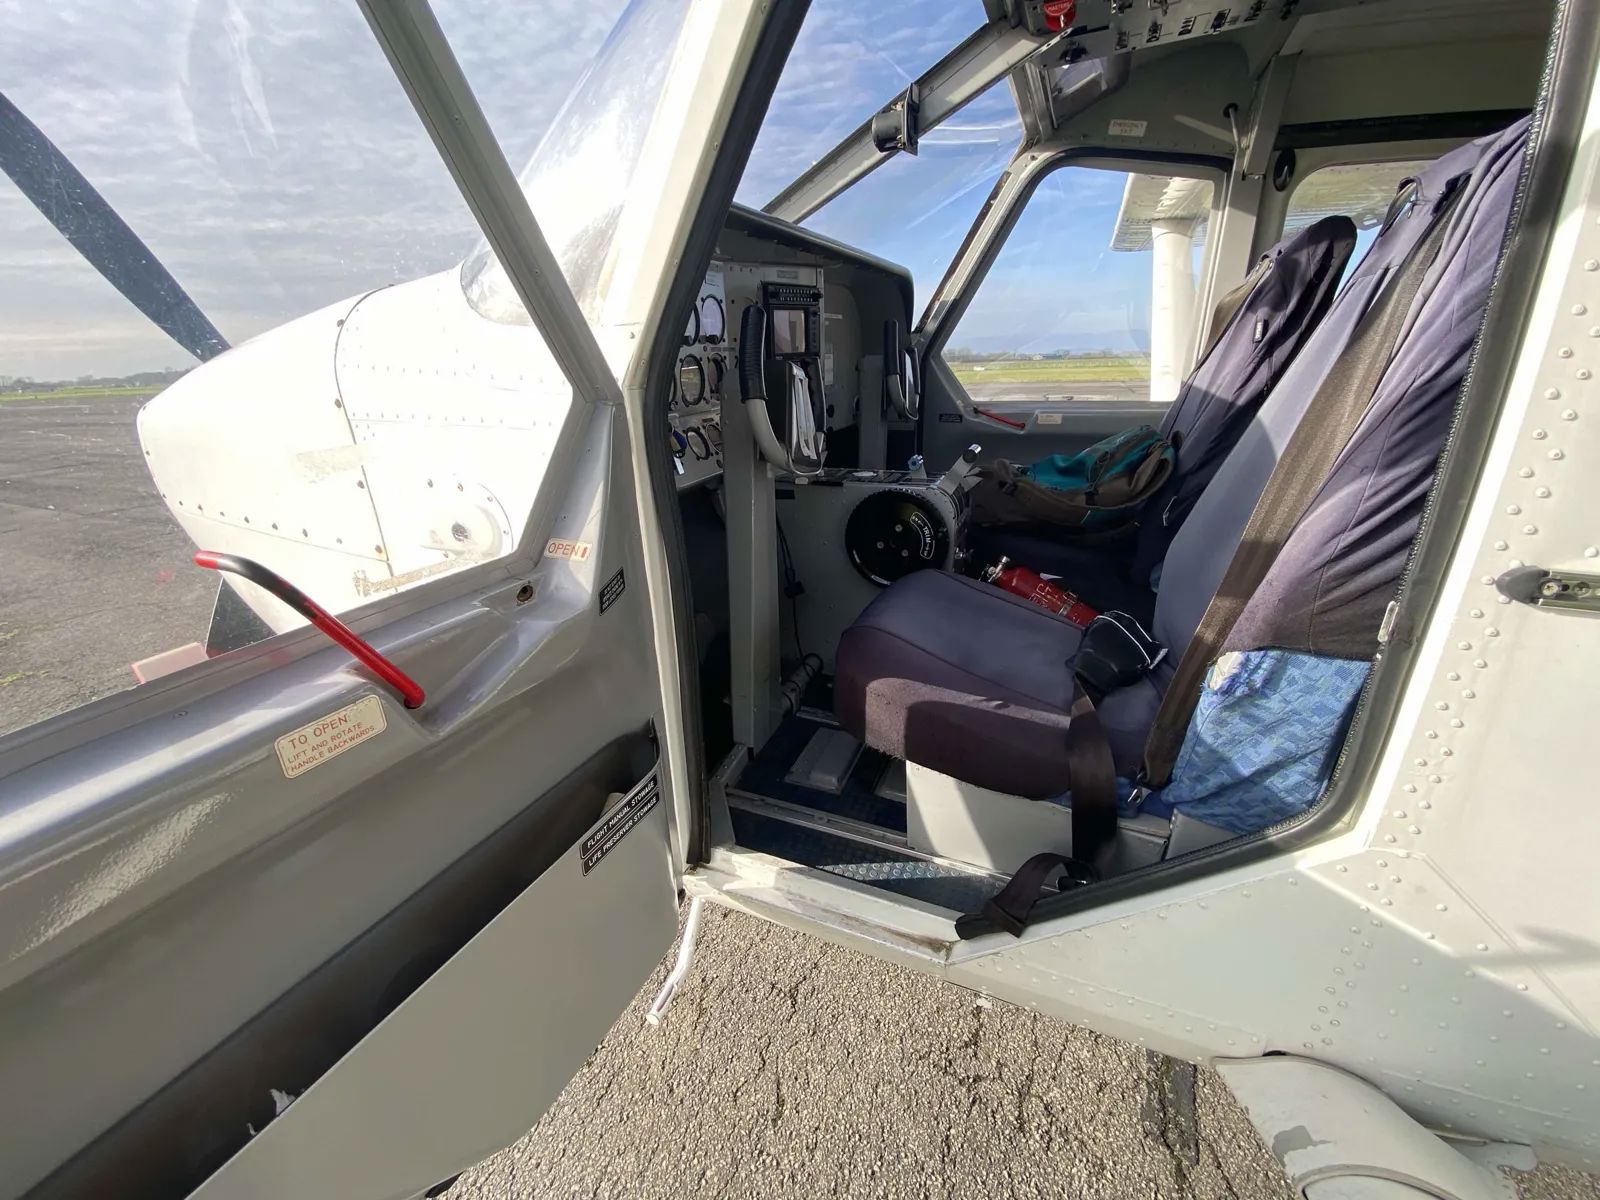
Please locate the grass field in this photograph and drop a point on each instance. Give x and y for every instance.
(1054, 370)
(73, 393)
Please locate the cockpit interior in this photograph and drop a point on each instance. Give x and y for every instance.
(1078, 560)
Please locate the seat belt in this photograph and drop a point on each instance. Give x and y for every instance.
(1094, 782)
(1330, 421)
(1094, 822)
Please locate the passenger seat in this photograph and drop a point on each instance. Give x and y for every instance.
(1261, 328)
(972, 682)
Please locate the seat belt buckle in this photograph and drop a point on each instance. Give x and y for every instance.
(1136, 798)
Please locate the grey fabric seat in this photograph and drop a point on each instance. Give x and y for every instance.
(975, 683)
(988, 706)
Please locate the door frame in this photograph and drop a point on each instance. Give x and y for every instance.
(473, 609)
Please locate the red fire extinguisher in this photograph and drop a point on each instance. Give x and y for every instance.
(1036, 589)
(1058, 14)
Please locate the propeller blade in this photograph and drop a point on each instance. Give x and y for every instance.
(70, 203)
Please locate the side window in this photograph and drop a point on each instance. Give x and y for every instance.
(1360, 191)
(1093, 296)
(257, 340)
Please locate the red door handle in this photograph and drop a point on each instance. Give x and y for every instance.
(994, 416)
(410, 690)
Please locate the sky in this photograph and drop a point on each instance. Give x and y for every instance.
(268, 157)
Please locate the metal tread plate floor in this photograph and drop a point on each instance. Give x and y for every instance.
(945, 885)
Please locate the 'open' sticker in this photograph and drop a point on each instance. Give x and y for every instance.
(560, 548)
(330, 736)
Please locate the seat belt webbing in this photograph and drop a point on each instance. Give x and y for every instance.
(1094, 782)
(1326, 428)
(1094, 822)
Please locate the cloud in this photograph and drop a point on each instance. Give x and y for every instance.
(261, 148)
(266, 154)
(848, 62)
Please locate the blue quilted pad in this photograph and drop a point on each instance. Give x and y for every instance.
(1264, 737)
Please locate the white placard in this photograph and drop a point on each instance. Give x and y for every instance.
(330, 736)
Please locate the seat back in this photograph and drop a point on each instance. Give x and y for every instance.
(1367, 512)
(1287, 296)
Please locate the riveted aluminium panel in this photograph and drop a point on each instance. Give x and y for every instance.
(454, 419)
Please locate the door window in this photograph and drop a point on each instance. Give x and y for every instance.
(1094, 295)
(369, 432)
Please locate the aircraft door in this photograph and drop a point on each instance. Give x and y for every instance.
(342, 917)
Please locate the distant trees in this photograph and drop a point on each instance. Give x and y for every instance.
(965, 354)
(151, 380)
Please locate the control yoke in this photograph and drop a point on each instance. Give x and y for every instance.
(900, 391)
(801, 448)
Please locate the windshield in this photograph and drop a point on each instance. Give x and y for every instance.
(579, 177)
(846, 64)
(916, 211)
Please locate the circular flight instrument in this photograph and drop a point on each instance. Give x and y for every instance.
(891, 534)
(691, 332)
(691, 380)
(719, 371)
(713, 320)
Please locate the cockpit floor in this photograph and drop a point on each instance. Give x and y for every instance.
(858, 800)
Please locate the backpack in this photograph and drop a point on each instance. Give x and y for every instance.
(1099, 489)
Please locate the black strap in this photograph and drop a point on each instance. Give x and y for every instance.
(1094, 783)
(1094, 822)
(1010, 907)
(1329, 422)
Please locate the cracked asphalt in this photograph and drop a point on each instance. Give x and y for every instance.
(791, 1068)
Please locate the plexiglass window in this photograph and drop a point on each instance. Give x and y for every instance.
(231, 318)
(1094, 295)
(847, 63)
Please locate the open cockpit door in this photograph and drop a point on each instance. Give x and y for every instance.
(292, 921)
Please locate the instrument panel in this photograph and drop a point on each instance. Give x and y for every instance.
(705, 369)
(708, 357)
(1095, 28)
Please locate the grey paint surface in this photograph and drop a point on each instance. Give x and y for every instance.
(790, 1068)
(118, 840)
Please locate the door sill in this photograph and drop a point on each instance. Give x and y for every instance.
(829, 906)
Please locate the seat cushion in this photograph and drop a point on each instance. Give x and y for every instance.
(964, 678)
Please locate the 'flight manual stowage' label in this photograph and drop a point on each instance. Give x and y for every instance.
(617, 823)
(330, 736)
